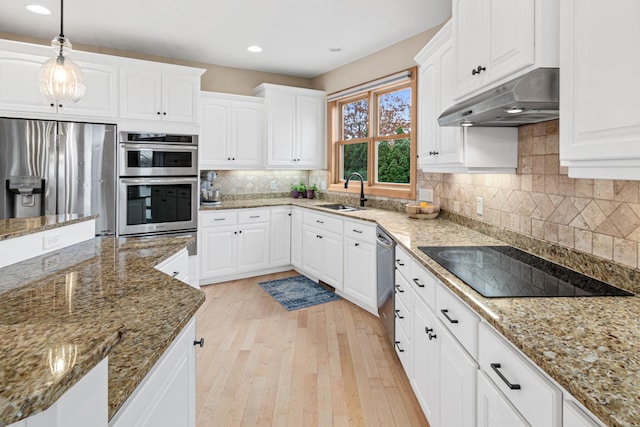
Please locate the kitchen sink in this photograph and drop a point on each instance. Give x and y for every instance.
(338, 207)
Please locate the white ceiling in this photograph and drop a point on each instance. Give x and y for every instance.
(295, 34)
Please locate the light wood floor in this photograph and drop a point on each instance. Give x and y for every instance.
(327, 365)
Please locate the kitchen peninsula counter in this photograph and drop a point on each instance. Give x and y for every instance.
(589, 345)
(102, 297)
(16, 227)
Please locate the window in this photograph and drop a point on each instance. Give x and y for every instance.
(373, 135)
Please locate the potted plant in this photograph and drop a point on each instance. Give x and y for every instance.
(311, 191)
(295, 191)
(302, 188)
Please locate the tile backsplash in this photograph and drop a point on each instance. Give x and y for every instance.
(595, 216)
(244, 182)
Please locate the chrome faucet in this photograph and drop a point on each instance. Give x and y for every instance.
(357, 175)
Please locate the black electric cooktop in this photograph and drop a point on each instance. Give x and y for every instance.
(507, 272)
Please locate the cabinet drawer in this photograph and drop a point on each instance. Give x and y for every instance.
(423, 283)
(249, 216)
(402, 315)
(358, 230)
(535, 397)
(403, 290)
(403, 350)
(217, 218)
(323, 222)
(403, 262)
(460, 320)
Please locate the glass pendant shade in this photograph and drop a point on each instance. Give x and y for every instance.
(60, 79)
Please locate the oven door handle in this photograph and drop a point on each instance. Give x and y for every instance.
(135, 181)
(158, 147)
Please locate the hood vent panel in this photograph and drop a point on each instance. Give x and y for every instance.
(537, 93)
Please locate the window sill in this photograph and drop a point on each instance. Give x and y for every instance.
(378, 190)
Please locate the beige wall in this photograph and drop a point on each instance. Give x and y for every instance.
(387, 61)
(215, 79)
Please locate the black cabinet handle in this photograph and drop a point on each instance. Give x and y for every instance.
(319, 222)
(434, 153)
(398, 346)
(478, 70)
(444, 312)
(254, 216)
(417, 282)
(357, 231)
(175, 273)
(399, 263)
(496, 367)
(357, 244)
(432, 336)
(397, 314)
(199, 342)
(399, 289)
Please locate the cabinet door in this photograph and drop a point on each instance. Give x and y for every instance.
(309, 142)
(493, 408)
(510, 38)
(599, 86)
(253, 246)
(458, 373)
(469, 41)
(312, 252)
(101, 96)
(218, 255)
(280, 236)
(215, 133)
(246, 134)
(428, 82)
(180, 97)
(296, 238)
(140, 94)
(332, 259)
(573, 416)
(426, 377)
(281, 119)
(19, 83)
(360, 272)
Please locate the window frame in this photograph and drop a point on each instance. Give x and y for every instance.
(335, 128)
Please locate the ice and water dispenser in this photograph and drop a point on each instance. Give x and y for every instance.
(26, 196)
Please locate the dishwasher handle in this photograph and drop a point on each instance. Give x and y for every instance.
(384, 241)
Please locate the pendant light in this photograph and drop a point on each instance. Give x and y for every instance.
(60, 78)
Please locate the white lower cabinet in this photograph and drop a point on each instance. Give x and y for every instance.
(573, 416)
(176, 266)
(280, 236)
(458, 373)
(296, 238)
(360, 280)
(233, 243)
(426, 378)
(494, 410)
(322, 248)
(166, 397)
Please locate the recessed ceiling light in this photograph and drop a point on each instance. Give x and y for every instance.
(514, 110)
(467, 124)
(36, 8)
(254, 49)
(335, 49)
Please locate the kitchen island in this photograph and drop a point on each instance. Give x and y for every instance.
(101, 298)
(589, 345)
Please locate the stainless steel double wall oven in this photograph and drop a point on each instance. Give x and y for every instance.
(157, 183)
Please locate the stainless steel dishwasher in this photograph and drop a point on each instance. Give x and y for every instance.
(386, 249)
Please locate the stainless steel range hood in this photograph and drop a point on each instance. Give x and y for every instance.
(536, 93)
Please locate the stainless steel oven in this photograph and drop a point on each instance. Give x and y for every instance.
(157, 204)
(145, 154)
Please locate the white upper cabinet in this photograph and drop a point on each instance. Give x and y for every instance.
(231, 131)
(19, 68)
(157, 93)
(295, 126)
(497, 40)
(452, 149)
(599, 88)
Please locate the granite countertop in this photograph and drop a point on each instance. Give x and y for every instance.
(77, 305)
(16, 227)
(589, 345)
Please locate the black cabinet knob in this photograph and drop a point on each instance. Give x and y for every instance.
(199, 342)
(158, 113)
(164, 114)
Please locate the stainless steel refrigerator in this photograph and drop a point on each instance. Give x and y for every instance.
(50, 167)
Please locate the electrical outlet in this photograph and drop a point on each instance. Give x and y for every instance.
(456, 206)
(50, 241)
(274, 185)
(426, 194)
(480, 206)
(323, 185)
